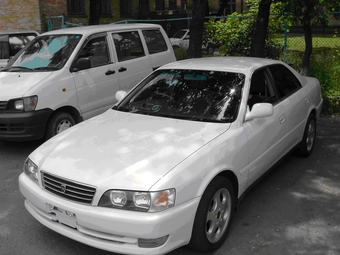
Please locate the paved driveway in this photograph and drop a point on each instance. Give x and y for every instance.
(295, 209)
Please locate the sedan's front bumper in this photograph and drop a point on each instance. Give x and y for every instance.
(109, 229)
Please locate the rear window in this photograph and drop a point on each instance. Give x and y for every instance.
(154, 41)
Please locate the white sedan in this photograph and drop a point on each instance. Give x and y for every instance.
(168, 164)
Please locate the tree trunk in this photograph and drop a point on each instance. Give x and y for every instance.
(308, 50)
(196, 29)
(95, 11)
(260, 29)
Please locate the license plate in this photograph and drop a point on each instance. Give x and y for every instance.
(64, 217)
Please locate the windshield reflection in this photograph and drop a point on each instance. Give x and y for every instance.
(45, 53)
(188, 94)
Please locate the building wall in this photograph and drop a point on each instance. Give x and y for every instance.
(51, 8)
(20, 14)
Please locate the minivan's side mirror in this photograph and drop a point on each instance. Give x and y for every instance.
(82, 64)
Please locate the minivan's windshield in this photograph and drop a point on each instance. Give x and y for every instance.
(197, 95)
(44, 53)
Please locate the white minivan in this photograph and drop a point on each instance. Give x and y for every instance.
(66, 76)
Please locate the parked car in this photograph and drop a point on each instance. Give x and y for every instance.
(168, 164)
(180, 39)
(65, 76)
(12, 41)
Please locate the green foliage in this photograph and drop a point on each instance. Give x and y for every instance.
(325, 66)
(234, 33)
(180, 53)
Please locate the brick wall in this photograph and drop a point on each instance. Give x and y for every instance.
(20, 14)
(51, 8)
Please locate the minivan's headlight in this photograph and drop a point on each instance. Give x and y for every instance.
(26, 104)
(31, 169)
(139, 200)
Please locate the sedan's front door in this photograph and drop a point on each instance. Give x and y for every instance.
(265, 135)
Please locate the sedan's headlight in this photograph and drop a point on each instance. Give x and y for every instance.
(31, 169)
(25, 104)
(138, 200)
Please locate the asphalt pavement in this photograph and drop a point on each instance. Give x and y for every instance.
(294, 210)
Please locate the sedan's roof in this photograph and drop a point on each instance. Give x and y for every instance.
(229, 64)
(88, 30)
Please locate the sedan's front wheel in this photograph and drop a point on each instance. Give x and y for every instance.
(214, 216)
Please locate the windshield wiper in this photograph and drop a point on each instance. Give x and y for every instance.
(47, 68)
(17, 68)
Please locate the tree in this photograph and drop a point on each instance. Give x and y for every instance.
(95, 11)
(196, 28)
(308, 13)
(260, 29)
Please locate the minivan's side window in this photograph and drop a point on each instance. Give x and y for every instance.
(154, 41)
(285, 80)
(96, 49)
(128, 45)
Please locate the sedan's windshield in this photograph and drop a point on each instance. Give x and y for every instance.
(179, 34)
(188, 94)
(45, 53)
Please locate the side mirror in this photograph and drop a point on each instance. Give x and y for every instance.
(82, 64)
(120, 94)
(259, 110)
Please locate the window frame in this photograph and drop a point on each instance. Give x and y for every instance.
(76, 8)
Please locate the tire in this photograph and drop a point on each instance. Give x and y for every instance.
(58, 123)
(214, 216)
(309, 136)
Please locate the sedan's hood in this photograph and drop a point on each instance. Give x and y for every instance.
(123, 150)
(15, 85)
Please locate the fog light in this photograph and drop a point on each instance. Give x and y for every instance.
(152, 243)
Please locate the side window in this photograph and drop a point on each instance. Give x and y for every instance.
(4, 47)
(260, 89)
(284, 79)
(128, 45)
(96, 50)
(17, 42)
(154, 41)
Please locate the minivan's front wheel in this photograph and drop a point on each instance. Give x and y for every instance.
(58, 123)
(214, 216)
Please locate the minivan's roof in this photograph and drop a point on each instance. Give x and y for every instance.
(101, 28)
(17, 31)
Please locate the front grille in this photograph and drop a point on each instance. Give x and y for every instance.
(3, 106)
(12, 128)
(70, 190)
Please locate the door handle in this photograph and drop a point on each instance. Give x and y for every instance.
(122, 69)
(306, 100)
(282, 120)
(109, 72)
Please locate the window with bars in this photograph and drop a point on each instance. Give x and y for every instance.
(76, 7)
(160, 5)
(106, 8)
(230, 7)
(144, 6)
(125, 8)
(184, 4)
(172, 4)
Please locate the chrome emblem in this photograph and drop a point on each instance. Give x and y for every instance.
(63, 188)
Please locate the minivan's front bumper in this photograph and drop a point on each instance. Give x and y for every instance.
(110, 229)
(23, 126)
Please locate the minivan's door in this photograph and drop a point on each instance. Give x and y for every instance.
(133, 62)
(97, 80)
